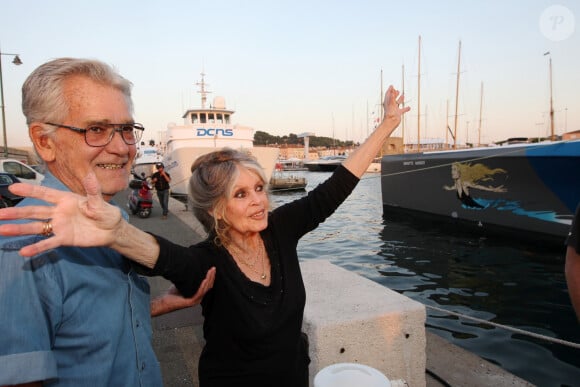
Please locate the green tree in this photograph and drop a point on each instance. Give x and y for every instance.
(264, 138)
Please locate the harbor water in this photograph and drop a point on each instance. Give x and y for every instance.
(498, 282)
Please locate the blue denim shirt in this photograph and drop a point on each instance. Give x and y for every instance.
(73, 316)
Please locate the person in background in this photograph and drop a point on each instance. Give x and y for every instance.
(161, 180)
(76, 316)
(572, 266)
(253, 314)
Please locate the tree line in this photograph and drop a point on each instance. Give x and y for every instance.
(263, 138)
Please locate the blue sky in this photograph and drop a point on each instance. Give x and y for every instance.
(296, 66)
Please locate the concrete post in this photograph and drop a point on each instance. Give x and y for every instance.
(351, 319)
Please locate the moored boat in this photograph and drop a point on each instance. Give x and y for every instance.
(145, 160)
(324, 164)
(283, 180)
(205, 130)
(280, 183)
(523, 189)
(292, 164)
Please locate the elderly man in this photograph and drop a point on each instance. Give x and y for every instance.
(76, 316)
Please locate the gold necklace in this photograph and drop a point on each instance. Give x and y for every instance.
(235, 251)
(245, 261)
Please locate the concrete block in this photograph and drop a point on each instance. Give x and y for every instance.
(351, 319)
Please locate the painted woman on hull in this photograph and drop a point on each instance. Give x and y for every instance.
(466, 176)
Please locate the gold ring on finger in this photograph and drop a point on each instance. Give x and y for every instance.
(46, 228)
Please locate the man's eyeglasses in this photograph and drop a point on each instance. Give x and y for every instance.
(99, 135)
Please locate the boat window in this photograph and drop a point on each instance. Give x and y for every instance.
(202, 118)
(211, 118)
(227, 117)
(193, 118)
(219, 118)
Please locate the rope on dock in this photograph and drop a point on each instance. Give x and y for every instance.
(508, 328)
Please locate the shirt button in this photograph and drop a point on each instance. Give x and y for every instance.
(142, 366)
(137, 323)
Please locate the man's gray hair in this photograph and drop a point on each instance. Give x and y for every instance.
(42, 93)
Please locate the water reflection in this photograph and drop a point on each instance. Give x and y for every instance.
(504, 282)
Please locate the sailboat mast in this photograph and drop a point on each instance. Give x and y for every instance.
(333, 139)
(551, 105)
(480, 110)
(367, 117)
(457, 97)
(552, 137)
(447, 125)
(403, 118)
(419, 99)
(381, 97)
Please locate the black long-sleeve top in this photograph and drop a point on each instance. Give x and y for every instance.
(253, 332)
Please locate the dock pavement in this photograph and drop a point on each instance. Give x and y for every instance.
(178, 336)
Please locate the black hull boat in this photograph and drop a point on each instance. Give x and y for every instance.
(324, 164)
(525, 190)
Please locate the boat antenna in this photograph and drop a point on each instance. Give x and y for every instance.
(202, 90)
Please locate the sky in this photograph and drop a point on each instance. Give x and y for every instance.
(316, 66)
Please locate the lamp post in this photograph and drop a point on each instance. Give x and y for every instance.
(17, 62)
(552, 137)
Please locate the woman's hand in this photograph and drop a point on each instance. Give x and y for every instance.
(359, 160)
(75, 220)
(173, 300)
(393, 112)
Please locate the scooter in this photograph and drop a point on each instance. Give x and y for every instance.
(140, 198)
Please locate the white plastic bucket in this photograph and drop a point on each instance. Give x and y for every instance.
(350, 375)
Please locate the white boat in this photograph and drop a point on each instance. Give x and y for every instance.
(145, 160)
(205, 130)
(284, 180)
(283, 183)
(292, 164)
